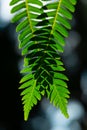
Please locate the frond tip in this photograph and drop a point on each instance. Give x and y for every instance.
(42, 30)
(58, 98)
(30, 96)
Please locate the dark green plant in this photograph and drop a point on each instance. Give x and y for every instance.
(42, 29)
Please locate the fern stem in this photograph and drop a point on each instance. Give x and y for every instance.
(56, 15)
(28, 14)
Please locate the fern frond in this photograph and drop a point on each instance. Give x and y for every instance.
(30, 95)
(58, 97)
(59, 13)
(42, 29)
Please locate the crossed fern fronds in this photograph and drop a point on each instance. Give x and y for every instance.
(42, 29)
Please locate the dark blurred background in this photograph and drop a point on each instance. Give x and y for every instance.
(43, 116)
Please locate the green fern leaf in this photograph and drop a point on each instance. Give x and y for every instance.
(60, 13)
(58, 97)
(30, 96)
(42, 30)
